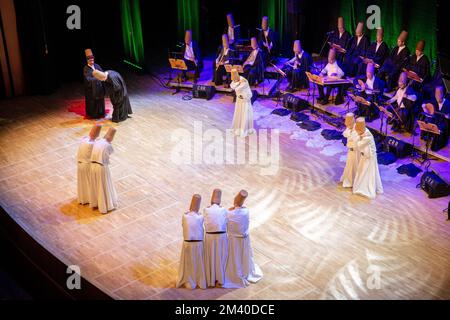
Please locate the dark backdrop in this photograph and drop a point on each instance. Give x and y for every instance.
(52, 54)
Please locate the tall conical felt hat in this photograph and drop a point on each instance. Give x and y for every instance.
(195, 203)
(235, 75)
(349, 119)
(371, 68)
(360, 124)
(95, 131)
(403, 77)
(88, 53)
(297, 45)
(420, 45)
(216, 197)
(109, 136)
(240, 198)
(332, 54)
(380, 32)
(230, 19)
(360, 28)
(265, 22)
(403, 36)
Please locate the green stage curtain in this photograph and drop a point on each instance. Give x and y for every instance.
(418, 17)
(188, 17)
(132, 32)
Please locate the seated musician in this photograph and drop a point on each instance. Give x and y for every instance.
(420, 64)
(232, 31)
(357, 47)
(372, 90)
(396, 61)
(402, 106)
(268, 41)
(331, 70)
(223, 57)
(192, 56)
(441, 104)
(296, 68)
(340, 37)
(430, 116)
(254, 64)
(378, 52)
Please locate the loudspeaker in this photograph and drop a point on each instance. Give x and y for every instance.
(399, 148)
(203, 92)
(294, 103)
(434, 185)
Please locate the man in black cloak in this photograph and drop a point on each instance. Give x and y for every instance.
(93, 89)
(117, 90)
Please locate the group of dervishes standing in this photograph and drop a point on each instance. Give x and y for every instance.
(216, 250)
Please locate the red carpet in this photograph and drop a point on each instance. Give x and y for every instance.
(79, 107)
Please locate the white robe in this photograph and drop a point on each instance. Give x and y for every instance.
(191, 272)
(367, 181)
(351, 166)
(241, 268)
(103, 193)
(216, 245)
(84, 170)
(243, 112)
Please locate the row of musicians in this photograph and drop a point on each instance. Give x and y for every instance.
(263, 47)
(358, 50)
(406, 106)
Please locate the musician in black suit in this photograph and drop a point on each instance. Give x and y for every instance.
(268, 41)
(397, 60)
(232, 31)
(296, 68)
(371, 89)
(192, 56)
(429, 115)
(420, 64)
(254, 64)
(441, 104)
(402, 104)
(378, 52)
(223, 57)
(357, 47)
(341, 37)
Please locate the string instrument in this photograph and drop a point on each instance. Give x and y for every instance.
(278, 70)
(368, 60)
(413, 76)
(326, 81)
(390, 115)
(337, 47)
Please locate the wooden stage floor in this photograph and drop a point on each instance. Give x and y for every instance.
(312, 238)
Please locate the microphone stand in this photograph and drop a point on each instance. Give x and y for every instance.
(325, 43)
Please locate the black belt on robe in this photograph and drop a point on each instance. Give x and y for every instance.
(97, 163)
(216, 232)
(193, 240)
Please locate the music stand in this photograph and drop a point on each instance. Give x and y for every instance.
(180, 65)
(429, 128)
(315, 80)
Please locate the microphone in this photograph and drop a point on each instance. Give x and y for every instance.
(330, 33)
(259, 29)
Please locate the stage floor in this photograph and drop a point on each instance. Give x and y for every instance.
(312, 238)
